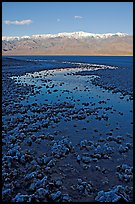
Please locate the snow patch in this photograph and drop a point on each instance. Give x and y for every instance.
(75, 35)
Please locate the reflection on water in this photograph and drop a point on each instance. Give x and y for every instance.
(61, 85)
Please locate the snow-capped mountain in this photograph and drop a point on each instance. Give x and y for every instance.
(75, 43)
(76, 35)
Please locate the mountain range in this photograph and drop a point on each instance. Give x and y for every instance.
(75, 43)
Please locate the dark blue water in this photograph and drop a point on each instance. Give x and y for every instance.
(120, 61)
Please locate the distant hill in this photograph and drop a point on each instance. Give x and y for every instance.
(76, 43)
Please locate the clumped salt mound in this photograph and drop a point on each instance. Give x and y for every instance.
(114, 195)
(62, 148)
(125, 172)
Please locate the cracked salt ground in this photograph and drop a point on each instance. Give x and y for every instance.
(69, 147)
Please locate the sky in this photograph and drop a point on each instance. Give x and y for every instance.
(31, 18)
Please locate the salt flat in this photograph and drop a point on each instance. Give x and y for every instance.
(65, 139)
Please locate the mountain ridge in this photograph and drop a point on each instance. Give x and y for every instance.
(74, 43)
(79, 34)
